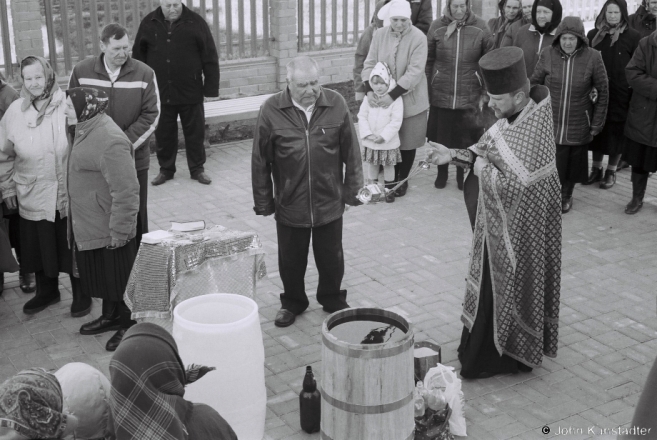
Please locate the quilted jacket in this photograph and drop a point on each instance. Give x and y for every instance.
(452, 67)
(570, 79)
(642, 76)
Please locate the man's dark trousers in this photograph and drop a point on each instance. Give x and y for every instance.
(293, 246)
(192, 118)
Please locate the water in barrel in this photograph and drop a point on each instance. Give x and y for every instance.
(367, 330)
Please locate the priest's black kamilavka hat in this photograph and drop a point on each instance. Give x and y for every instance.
(504, 70)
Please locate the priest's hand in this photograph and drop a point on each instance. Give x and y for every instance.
(438, 154)
(479, 165)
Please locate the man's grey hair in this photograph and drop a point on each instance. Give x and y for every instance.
(301, 63)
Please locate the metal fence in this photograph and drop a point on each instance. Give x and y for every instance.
(72, 27)
(324, 24)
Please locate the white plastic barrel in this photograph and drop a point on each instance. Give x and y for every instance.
(223, 331)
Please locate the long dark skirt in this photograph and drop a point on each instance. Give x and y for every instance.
(573, 163)
(477, 353)
(459, 128)
(641, 156)
(104, 272)
(44, 247)
(611, 140)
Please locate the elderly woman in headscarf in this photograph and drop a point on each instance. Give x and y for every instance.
(510, 13)
(403, 47)
(617, 42)
(26, 280)
(148, 384)
(33, 177)
(35, 404)
(533, 38)
(104, 202)
(31, 407)
(456, 42)
(571, 69)
(644, 20)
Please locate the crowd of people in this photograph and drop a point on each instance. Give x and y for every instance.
(74, 164)
(516, 103)
(597, 83)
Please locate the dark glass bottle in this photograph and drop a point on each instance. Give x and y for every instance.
(310, 403)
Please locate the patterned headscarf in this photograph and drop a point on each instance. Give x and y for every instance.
(31, 403)
(48, 91)
(148, 383)
(455, 24)
(88, 102)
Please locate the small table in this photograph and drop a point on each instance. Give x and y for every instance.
(186, 265)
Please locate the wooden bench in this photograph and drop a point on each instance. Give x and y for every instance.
(237, 109)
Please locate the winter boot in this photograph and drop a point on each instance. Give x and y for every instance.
(81, 304)
(390, 194)
(441, 178)
(567, 197)
(47, 293)
(609, 180)
(639, 183)
(595, 176)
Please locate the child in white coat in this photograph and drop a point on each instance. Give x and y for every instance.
(379, 130)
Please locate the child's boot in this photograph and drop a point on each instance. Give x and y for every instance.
(390, 194)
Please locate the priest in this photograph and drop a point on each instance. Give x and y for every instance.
(511, 305)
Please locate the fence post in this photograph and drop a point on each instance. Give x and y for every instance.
(26, 18)
(283, 25)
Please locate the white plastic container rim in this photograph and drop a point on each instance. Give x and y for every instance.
(248, 302)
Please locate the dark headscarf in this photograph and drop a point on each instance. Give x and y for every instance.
(88, 102)
(454, 24)
(148, 383)
(31, 403)
(506, 22)
(605, 28)
(557, 11)
(48, 91)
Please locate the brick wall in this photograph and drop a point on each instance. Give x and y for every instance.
(26, 19)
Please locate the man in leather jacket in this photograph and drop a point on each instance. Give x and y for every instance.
(305, 166)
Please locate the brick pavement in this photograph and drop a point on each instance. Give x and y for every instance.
(411, 257)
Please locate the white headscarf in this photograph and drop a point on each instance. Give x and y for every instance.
(396, 8)
(381, 69)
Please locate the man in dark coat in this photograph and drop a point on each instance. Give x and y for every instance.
(644, 20)
(305, 166)
(177, 44)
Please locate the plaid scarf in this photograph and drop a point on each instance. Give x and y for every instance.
(148, 384)
(31, 404)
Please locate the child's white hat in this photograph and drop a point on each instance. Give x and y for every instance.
(381, 69)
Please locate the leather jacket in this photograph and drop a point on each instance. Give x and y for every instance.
(305, 173)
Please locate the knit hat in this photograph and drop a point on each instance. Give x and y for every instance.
(504, 70)
(382, 70)
(396, 8)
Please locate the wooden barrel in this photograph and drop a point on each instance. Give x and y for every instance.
(367, 389)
